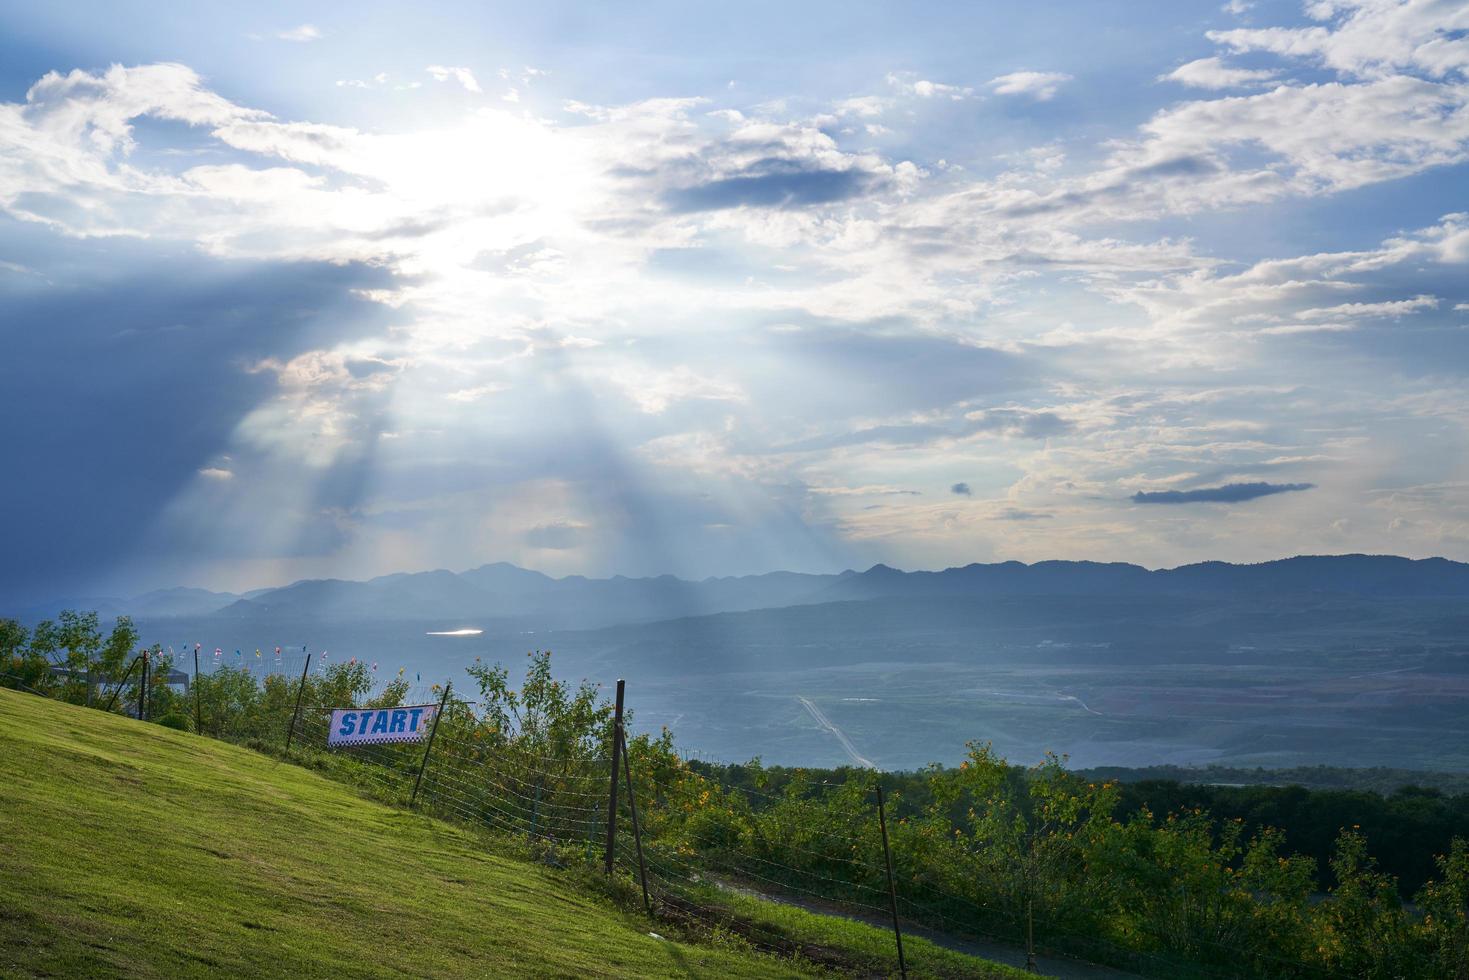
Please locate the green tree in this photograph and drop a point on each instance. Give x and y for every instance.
(79, 636)
(1444, 903)
(19, 666)
(118, 650)
(1362, 931)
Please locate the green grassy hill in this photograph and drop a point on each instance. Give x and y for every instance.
(132, 849)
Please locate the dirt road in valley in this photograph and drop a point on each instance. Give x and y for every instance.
(841, 736)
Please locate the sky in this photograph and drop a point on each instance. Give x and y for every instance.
(304, 290)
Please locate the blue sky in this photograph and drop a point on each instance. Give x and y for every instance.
(300, 290)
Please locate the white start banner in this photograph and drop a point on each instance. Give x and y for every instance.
(369, 726)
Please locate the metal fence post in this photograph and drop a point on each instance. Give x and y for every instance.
(430, 746)
(882, 821)
(296, 713)
(118, 689)
(637, 832)
(1030, 964)
(535, 810)
(143, 690)
(612, 791)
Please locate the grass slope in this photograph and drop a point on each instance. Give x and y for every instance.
(130, 849)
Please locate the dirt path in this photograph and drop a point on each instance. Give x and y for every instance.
(841, 736)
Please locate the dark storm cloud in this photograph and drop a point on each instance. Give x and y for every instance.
(1230, 493)
(117, 389)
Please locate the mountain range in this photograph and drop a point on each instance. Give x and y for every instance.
(502, 591)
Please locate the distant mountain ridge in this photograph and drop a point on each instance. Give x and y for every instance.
(1386, 576)
(505, 591)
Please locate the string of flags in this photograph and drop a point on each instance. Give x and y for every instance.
(243, 663)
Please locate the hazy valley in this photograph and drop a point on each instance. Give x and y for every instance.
(1109, 664)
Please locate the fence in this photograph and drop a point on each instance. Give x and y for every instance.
(622, 804)
(706, 845)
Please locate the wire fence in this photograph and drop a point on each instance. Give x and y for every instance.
(711, 847)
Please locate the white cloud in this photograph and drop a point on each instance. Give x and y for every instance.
(863, 106)
(301, 33)
(654, 390)
(1039, 85)
(1389, 308)
(910, 84)
(1303, 294)
(463, 76)
(1369, 38)
(377, 81)
(466, 395)
(216, 473)
(1213, 73)
(867, 491)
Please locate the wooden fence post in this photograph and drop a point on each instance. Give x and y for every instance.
(882, 821)
(612, 791)
(430, 746)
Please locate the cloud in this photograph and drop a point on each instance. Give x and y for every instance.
(1368, 38)
(557, 536)
(301, 33)
(1389, 308)
(463, 76)
(377, 81)
(762, 302)
(910, 84)
(1025, 423)
(771, 184)
(152, 320)
(1039, 85)
(961, 489)
(1010, 423)
(866, 491)
(1213, 73)
(474, 394)
(1230, 493)
(1019, 514)
(654, 390)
